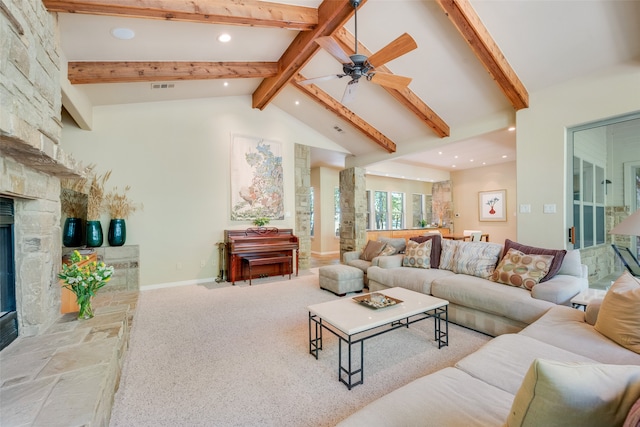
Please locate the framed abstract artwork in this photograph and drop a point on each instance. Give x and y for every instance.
(493, 205)
(257, 186)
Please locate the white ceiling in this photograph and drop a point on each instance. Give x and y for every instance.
(546, 43)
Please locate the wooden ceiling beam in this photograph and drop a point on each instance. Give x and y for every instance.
(468, 23)
(332, 15)
(229, 12)
(404, 96)
(127, 72)
(328, 102)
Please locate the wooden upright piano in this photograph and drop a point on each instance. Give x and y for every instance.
(260, 252)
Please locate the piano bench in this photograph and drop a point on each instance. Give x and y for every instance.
(341, 279)
(283, 260)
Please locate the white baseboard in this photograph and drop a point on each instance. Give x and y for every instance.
(325, 253)
(175, 284)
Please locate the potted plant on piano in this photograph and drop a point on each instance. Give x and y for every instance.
(261, 221)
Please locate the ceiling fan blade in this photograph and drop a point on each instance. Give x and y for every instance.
(403, 44)
(332, 46)
(350, 92)
(321, 79)
(390, 80)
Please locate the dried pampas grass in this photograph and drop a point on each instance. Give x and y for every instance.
(96, 196)
(119, 205)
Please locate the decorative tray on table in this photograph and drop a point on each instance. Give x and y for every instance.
(377, 300)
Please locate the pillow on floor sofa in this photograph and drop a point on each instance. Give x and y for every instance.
(436, 246)
(521, 270)
(417, 254)
(558, 255)
(574, 394)
(372, 250)
(619, 314)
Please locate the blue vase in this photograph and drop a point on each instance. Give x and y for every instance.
(94, 234)
(72, 232)
(117, 232)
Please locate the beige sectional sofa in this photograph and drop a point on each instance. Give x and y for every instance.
(568, 368)
(476, 301)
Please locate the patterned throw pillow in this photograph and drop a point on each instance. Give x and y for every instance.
(388, 250)
(522, 270)
(417, 254)
(436, 246)
(447, 254)
(475, 258)
(558, 255)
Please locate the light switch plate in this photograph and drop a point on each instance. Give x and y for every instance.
(525, 208)
(549, 209)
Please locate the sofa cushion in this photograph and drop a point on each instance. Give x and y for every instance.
(521, 270)
(417, 255)
(387, 250)
(473, 258)
(372, 250)
(398, 243)
(619, 315)
(565, 327)
(511, 355)
(558, 393)
(558, 255)
(490, 297)
(436, 246)
(436, 400)
(414, 279)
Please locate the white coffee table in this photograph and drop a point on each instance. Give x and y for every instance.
(353, 323)
(585, 297)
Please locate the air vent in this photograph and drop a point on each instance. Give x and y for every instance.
(162, 86)
(338, 129)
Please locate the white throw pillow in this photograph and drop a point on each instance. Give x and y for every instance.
(575, 394)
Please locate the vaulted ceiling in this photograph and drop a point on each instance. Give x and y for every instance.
(475, 63)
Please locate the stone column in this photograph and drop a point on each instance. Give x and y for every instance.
(353, 210)
(303, 192)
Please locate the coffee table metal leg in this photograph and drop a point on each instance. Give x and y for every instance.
(315, 339)
(349, 372)
(440, 336)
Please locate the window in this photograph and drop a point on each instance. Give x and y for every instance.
(336, 204)
(380, 210)
(588, 203)
(397, 211)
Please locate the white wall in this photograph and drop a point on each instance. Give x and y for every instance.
(541, 144)
(175, 156)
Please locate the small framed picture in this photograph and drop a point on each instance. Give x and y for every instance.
(493, 205)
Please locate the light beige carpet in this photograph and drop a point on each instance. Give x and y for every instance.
(216, 355)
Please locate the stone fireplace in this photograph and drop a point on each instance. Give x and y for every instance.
(31, 161)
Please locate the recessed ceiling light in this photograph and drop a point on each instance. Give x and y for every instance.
(455, 157)
(439, 152)
(297, 102)
(484, 163)
(123, 33)
(225, 84)
(471, 160)
(453, 166)
(504, 156)
(224, 38)
(511, 128)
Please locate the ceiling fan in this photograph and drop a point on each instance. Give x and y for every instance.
(357, 66)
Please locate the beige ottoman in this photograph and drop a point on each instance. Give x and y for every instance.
(341, 279)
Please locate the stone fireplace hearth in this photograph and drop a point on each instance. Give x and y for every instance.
(31, 161)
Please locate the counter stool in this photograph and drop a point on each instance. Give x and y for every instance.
(341, 279)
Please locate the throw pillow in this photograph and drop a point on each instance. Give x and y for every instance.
(633, 417)
(522, 270)
(472, 258)
(387, 250)
(436, 246)
(372, 250)
(558, 255)
(572, 394)
(619, 315)
(417, 254)
(398, 243)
